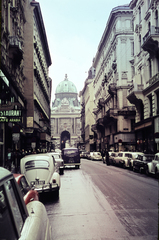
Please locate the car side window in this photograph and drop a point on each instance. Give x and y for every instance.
(127, 155)
(11, 219)
(24, 187)
(120, 155)
(14, 205)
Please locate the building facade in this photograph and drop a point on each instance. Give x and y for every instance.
(25, 88)
(37, 83)
(144, 92)
(114, 114)
(65, 116)
(12, 97)
(87, 116)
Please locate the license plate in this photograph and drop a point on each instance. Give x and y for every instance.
(41, 182)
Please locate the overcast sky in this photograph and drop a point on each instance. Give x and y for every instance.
(74, 29)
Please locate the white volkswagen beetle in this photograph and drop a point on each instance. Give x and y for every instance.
(153, 167)
(17, 220)
(39, 170)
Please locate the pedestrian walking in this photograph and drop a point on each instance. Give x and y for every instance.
(107, 158)
(9, 159)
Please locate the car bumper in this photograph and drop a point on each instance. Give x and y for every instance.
(48, 188)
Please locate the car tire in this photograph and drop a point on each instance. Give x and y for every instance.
(130, 167)
(147, 171)
(134, 170)
(61, 171)
(156, 174)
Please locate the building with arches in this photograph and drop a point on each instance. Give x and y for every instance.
(65, 116)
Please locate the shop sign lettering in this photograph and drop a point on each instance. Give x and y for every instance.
(10, 113)
(14, 120)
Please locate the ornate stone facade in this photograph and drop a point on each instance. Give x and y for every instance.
(65, 116)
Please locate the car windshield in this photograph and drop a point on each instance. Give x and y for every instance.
(56, 156)
(37, 164)
(71, 152)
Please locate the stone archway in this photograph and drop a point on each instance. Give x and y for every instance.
(65, 136)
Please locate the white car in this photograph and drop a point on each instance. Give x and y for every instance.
(153, 167)
(59, 162)
(40, 172)
(17, 220)
(125, 159)
(95, 156)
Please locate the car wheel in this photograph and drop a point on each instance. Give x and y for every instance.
(56, 194)
(130, 166)
(156, 173)
(134, 170)
(61, 171)
(147, 171)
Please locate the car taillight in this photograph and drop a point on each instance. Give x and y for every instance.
(54, 180)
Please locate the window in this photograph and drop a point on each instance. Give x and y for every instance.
(139, 14)
(150, 68)
(150, 105)
(156, 18)
(132, 48)
(140, 42)
(157, 98)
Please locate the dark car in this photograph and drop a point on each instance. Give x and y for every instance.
(140, 164)
(71, 157)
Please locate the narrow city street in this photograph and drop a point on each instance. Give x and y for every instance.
(104, 202)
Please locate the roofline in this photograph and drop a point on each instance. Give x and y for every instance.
(38, 14)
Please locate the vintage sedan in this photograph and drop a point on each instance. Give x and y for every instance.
(125, 159)
(153, 167)
(95, 156)
(112, 155)
(17, 220)
(40, 173)
(29, 194)
(141, 161)
(59, 162)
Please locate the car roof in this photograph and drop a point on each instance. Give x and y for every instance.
(36, 156)
(4, 172)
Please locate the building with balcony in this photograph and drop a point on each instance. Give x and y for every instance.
(37, 84)
(144, 92)
(65, 116)
(114, 64)
(87, 116)
(12, 98)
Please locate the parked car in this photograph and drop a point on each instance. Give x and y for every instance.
(59, 162)
(40, 172)
(125, 159)
(133, 158)
(84, 154)
(140, 164)
(112, 155)
(95, 156)
(71, 157)
(153, 167)
(28, 193)
(17, 220)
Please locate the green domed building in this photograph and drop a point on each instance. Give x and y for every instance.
(65, 115)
